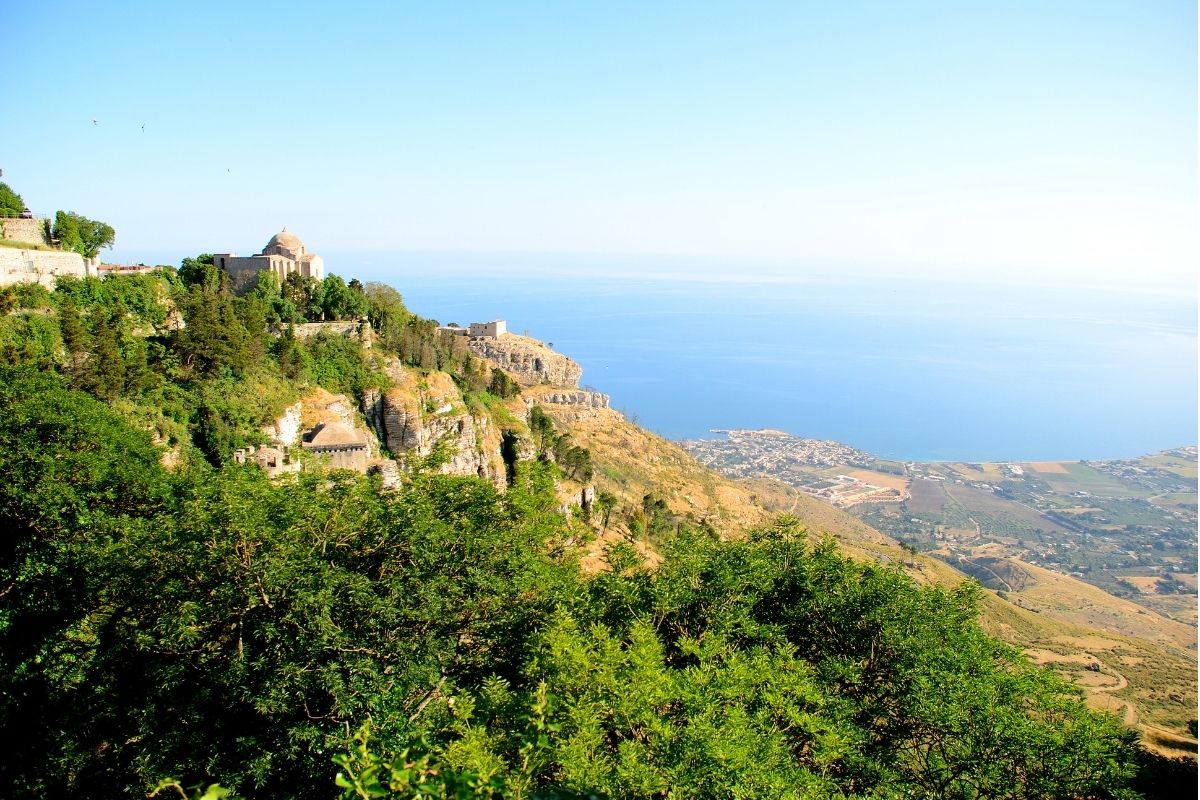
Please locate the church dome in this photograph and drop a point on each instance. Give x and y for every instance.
(284, 240)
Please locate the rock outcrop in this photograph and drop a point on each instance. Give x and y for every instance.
(419, 413)
(579, 397)
(285, 431)
(528, 361)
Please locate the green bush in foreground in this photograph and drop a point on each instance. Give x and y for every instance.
(209, 625)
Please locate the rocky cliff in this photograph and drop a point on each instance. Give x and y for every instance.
(529, 361)
(420, 411)
(285, 431)
(585, 398)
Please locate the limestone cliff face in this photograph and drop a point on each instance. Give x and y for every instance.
(285, 431)
(529, 361)
(420, 411)
(585, 398)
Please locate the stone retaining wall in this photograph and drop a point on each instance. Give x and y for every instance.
(40, 266)
(32, 231)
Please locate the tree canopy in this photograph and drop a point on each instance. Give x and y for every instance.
(82, 235)
(11, 204)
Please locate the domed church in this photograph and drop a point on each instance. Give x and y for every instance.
(284, 255)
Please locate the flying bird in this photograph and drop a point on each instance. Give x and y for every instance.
(95, 121)
(143, 127)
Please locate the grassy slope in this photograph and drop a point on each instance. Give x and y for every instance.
(1155, 676)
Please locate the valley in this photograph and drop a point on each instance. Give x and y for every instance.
(1083, 563)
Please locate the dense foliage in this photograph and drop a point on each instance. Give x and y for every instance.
(82, 235)
(300, 638)
(11, 204)
(575, 461)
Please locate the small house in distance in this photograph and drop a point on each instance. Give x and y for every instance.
(345, 447)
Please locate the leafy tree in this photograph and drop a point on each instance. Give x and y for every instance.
(214, 338)
(306, 294)
(502, 385)
(105, 374)
(292, 357)
(605, 503)
(30, 338)
(202, 271)
(388, 315)
(339, 301)
(82, 235)
(340, 365)
(73, 477)
(11, 204)
(575, 462)
(32, 295)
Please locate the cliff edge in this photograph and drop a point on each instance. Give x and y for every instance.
(527, 360)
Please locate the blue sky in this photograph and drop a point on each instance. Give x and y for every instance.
(1039, 138)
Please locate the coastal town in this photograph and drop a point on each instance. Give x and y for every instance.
(1126, 526)
(802, 463)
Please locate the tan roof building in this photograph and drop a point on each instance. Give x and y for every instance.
(284, 255)
(344, 446)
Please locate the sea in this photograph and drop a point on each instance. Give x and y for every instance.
(906, 366)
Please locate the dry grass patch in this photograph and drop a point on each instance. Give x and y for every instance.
(898, 482)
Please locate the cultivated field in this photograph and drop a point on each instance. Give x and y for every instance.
(898, 482)
(1082, 478)
(928, 497)
(1180, 466)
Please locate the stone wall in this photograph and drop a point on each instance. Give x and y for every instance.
(40, 266)
(32, 231)
(343, 328)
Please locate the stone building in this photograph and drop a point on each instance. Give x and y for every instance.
(272, 460)
(345, 447)
(496, 327)
(284, 255)
(493, 329)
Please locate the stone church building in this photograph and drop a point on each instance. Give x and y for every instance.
(284, 255)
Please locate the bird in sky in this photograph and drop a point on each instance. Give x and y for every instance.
(143, 127)
(95, 121)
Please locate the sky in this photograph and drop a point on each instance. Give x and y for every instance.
(1019, 138)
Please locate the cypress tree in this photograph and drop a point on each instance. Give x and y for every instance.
(75, 339)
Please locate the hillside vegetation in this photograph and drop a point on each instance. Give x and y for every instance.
(171, 619)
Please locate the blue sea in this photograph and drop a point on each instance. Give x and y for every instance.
(900, 366)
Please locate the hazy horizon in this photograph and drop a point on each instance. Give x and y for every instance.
(1028, 142)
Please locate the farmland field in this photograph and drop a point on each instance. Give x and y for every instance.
(928, 497)
(1180, 466)
(1079, 477)
(898, 482)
